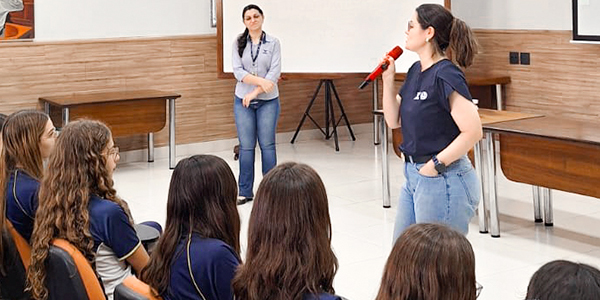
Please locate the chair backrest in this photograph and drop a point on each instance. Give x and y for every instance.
(70, 276)
(134, 289)
(12, 284)
(22, 245)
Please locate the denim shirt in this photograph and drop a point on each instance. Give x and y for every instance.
(268, 66)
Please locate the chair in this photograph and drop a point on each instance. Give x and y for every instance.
(12, 285)
(21, 244)
(70, 276)
(134, 289)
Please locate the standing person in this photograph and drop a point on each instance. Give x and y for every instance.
(28, 138)
(198, 254)
(439, 122)
(430, 262)
(289, 252)
(7, 6)
(257, 67)
(79, 204)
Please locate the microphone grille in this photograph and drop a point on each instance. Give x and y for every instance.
(396, 52)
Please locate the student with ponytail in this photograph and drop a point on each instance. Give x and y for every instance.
(257, 67)
(439, 122)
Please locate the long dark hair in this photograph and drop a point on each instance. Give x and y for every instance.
(21, 135)
(564, 280)
(450, 32)
(243, 37)
(202, 200)
(76, 170)
(289, 238)
(429, 262)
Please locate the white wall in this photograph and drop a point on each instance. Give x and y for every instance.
(93, 19)
(515, 14)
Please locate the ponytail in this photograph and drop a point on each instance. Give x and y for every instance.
(242, 41)
(462, 43)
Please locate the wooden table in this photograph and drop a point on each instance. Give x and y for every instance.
(127, 113)
(549, 152)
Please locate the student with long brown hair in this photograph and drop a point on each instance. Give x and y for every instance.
(79, 204)
(289, 252)
(198, 253)
(430, 262)
(28, 138)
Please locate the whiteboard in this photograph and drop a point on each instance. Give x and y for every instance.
(90, 19)
(317, 36)
(586, 24)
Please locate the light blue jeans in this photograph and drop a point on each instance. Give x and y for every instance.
(450, 198)
(258, 121)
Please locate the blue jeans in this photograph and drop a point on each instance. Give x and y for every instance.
(258, 121)
(449, 198)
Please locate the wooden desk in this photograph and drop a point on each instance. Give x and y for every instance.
(127, 113)
(553, 153)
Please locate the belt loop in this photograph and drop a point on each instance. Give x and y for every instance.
(410, 158)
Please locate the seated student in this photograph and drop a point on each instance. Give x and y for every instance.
(78, 203)
(430, 262)
(198, 253)
(564, 280)
(289, 252)
(28, 138)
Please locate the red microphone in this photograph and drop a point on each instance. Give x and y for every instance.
(394, 53)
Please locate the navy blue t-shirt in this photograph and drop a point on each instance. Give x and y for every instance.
(427, 125)
(213, 264)
(22, 202)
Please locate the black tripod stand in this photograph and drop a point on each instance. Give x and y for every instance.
(329, 114)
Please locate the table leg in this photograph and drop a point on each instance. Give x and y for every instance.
(537, 208)
(376, 118)
(172, 145)
(65, 116)
(492, 183)
(498, 96)
(150, 146)
(548, 218)
(482, 210)
(385, 167)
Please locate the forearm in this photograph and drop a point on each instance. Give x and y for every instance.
(391, 106)
(253, 80)
(459, 147)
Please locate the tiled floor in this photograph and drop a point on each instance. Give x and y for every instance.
(362, 229)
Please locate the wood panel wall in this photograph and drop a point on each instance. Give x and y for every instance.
(186, 65)
(563, 79)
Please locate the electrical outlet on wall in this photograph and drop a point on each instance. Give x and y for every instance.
(525, 59)
(513, 58)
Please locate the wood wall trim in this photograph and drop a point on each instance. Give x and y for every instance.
(185, 65)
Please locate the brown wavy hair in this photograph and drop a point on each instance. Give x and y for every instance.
(429, 262)
(450, 32)
(289, 238)
(21, 135)
(202, 200)
(76, 170)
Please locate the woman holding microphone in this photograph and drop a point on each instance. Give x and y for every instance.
(439, 122)
(257, 67)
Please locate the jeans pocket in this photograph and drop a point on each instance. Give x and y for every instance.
(470, 184)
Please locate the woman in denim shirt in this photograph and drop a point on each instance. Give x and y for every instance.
(257, 67)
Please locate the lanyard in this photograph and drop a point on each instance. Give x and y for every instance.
(254, 57)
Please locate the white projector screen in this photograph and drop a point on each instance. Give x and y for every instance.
(333, 36)
(586, 24)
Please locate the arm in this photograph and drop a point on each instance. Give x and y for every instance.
(138, 259)
(391, 100)
(464, 113)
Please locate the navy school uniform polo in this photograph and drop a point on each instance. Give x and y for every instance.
(22, 201)
(213, 265)
(427, 125)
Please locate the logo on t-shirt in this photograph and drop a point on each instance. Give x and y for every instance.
(421, 96)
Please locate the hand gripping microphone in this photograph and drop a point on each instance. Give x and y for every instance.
(394, 53)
